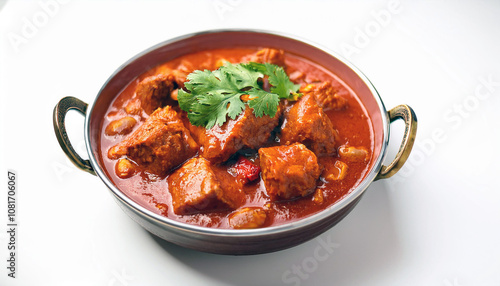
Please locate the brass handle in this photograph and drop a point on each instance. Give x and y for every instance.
(408, 115)
(63, 106)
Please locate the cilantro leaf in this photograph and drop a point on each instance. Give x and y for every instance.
(213, 109)
(281, 84)
(263, 102)
(212, 96)
(278, 78)
(186, 99)
(242, 76)
(199, 82)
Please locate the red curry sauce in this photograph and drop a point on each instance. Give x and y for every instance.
(152, 191)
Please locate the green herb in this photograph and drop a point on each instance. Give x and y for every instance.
(212, 96)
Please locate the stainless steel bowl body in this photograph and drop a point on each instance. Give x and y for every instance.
(228, 241)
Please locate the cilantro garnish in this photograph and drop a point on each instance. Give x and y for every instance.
(212, 96)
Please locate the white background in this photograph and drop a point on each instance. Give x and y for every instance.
(435, 223)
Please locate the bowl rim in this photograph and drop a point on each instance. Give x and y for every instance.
(303, 222)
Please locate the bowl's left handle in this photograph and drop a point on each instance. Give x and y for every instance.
(63, 106)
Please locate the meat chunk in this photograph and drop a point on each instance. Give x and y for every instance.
(196, 131)
(194, 187)
(328, 95)
(267, 55)
(247, 130)
(160, 144)
(182, 72)
(154, 91)
(305, 122)
(289, 171)
(186, 67)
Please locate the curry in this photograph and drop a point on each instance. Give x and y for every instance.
(244, 170)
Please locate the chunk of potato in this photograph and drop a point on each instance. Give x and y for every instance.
(121, 126)
(250, 217)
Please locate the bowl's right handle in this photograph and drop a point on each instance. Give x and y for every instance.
(408, 115)
(63, 106)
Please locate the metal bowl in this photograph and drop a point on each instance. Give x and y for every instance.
(230, 241)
